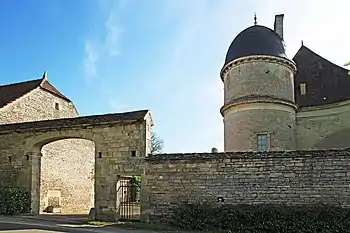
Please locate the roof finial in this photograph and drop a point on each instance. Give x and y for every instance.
(45, 75)
(302, 43)
(255, 19)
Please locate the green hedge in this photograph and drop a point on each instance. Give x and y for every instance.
(14, 200)
(262, 218)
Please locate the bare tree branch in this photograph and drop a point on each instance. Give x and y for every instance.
(348, 64)
(156, 144)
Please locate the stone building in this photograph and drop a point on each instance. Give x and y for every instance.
(272, 102)
(66, 165)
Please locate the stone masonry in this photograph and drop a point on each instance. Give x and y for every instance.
(324, 127)
(66, 165)
(295, 177)
(259, 98)
(121, 142)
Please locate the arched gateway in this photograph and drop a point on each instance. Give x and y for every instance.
(121, 141)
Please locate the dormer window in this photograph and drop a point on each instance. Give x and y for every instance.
(303, 88)
(57, 106)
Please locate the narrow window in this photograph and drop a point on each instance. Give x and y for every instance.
(262, 142)
(57, 106)
(133, 153)
(302, 88)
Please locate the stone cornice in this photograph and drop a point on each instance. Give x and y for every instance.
(323, 110)
(256, 99)
(269, 59)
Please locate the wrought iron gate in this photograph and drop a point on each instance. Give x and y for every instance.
(128, 200)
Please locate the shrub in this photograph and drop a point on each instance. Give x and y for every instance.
(14, 200)
(262, 218)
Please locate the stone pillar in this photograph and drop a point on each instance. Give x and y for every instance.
(105, 192)
(146, 209)
(35, 165)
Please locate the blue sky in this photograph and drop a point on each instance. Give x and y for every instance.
(162, 55)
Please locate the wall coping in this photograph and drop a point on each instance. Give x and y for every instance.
(247, 155)
(83, 121)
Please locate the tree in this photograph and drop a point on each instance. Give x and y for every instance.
(214, 150)
(348, 64)
(156, 143)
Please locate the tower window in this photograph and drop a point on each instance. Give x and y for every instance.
(303, 88)
(262, 142)
(57, 106)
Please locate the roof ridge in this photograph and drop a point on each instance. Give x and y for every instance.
(47, 86)
(23, 82)
(13, 91)
(341, 67)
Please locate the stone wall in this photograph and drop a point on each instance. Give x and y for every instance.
(324, 127)
(296, 177)
(66, 165)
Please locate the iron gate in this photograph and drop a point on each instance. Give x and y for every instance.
(128, 200)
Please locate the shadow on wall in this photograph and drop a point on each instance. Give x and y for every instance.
(337, 140)
(67, 184)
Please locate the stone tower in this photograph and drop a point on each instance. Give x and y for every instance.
(259, 106)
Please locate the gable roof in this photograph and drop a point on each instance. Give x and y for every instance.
(11, 92)
(326, 82)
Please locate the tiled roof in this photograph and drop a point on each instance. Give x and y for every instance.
(11, 92)
(256, 40)
(326, 82)
(78, 121)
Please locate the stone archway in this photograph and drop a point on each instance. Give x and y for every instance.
(67, 185)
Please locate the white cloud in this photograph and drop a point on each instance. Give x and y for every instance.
(113, 29)
(321, 24)
(112, 38)
(108, 46)
(90, 60)
(117, 106)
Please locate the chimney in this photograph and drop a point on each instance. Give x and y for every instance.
(278, 26)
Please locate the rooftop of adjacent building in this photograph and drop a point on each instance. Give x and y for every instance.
(11, 92)
(324, 82)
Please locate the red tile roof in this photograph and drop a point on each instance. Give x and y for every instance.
(11, 92)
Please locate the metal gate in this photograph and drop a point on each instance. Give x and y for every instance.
(128, 200)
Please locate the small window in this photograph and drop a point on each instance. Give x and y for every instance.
(262, 142)
(57, 106)
(133, 153)
(302, 88)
